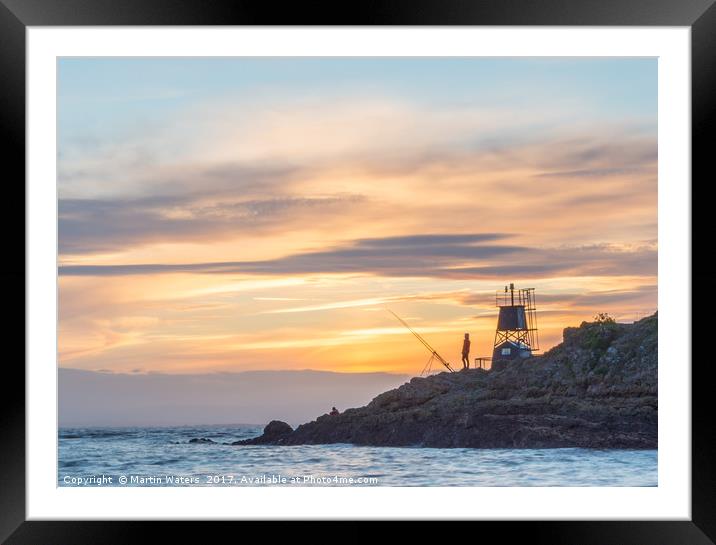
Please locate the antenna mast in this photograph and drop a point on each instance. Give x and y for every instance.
(425, 343)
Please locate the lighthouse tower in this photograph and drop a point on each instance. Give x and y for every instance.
(516, 334)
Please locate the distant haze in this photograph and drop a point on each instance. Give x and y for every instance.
(88, 398)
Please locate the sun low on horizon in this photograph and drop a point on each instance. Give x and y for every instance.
(234, 214)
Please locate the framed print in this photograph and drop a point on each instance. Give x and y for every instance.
(417, 265)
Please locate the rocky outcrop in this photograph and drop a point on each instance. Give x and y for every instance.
(598, 389)
(274, 433)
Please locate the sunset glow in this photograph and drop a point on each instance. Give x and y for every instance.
(245, 214)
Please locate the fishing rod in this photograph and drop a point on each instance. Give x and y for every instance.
(433, 352)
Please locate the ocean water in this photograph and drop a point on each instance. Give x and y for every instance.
(165, 457)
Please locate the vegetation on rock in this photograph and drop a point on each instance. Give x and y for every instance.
(598, 388)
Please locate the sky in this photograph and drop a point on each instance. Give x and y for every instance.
(234, 214)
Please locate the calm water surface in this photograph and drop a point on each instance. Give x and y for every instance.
(147, 456)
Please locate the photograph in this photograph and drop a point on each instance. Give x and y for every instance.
(357, 271)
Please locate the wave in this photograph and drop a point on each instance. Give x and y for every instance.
(72, 463)
(95, 434)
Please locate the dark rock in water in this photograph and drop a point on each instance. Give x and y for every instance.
(598, 389)
(201, 440)
(274, 433)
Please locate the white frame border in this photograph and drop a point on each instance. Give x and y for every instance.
(670, 500)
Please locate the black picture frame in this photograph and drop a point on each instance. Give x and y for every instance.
(17, 15)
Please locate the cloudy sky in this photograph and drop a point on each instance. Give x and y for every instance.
(251, 214)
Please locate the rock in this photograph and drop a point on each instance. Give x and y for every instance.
(201, 440)
(597, 389)
(273, 434)
(276, 428)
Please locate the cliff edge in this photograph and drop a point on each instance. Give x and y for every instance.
(597, 389)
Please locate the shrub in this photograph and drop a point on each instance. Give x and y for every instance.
(603, 318)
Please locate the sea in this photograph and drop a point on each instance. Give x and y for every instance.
(164, 456)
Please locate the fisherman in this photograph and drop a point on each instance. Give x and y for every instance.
(466, 351)
(334, 412)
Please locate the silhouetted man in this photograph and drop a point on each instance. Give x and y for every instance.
(334, 412)
(466, 351)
